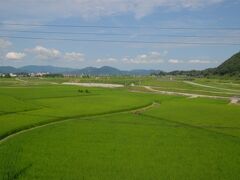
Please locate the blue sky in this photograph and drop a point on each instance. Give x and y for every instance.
(139, 20)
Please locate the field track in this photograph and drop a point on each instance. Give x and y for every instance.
(137, 110)
(207, 86)
(184, 94)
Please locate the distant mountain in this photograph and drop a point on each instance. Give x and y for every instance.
(143, 72)
(230, 66)
(105, 70)
(44, 69)
(8, 69)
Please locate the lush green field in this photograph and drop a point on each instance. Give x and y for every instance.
(54, 131)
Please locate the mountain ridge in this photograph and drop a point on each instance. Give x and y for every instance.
(229, 67)
(104, 70)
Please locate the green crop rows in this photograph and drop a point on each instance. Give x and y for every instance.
(54, 131)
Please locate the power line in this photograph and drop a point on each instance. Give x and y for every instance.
(65, 33)
(117, 34)
(120, 27)
(120, 41)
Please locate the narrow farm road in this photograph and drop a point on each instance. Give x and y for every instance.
(183, 94)
(37, 126)
(235, 100)
(213, 87)
(141, 110)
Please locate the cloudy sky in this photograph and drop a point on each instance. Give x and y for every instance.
(127, 34)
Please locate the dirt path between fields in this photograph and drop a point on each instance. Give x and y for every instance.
(235, 100)
(95, 85)
(183, 94)
(21, 80)
(213, 87)
(198, 91)
(141, 110)
(33, 127)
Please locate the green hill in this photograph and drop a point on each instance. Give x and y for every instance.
(230, 66)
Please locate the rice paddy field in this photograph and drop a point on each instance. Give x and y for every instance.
(140, 131)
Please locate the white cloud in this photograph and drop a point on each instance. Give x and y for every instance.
(15, 55)
(52, 9)
(4, 43)
(175, 61)
(45, 53)
(108, 60)
(74, 56)
(150, 58)
(197, 61)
